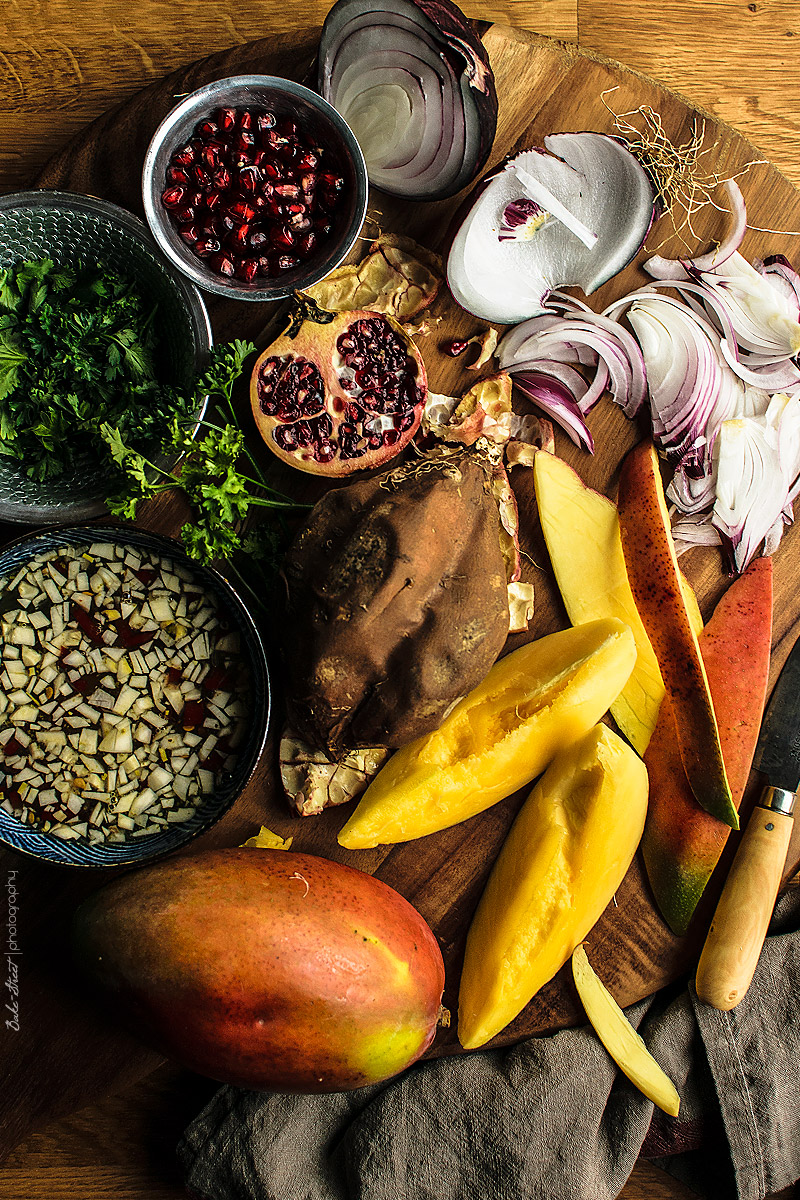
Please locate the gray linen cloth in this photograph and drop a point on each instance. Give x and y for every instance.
(549, 1119)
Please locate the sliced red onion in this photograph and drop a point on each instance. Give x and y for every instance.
(779, 272)
(413, 80)
(598, 191)
(757, 470)
(557, 402)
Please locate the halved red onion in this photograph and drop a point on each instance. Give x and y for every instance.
(600, 208)
(413, 81)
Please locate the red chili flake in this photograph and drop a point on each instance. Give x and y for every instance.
(194, 713)
(130, 638)
(214, 761)
(86, 623)
(87, 683)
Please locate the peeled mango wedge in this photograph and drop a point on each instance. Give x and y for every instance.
(581, 529)
(620, 1038)
(534, 702)
(565, 856)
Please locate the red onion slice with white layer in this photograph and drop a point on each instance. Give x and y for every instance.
(413, 80)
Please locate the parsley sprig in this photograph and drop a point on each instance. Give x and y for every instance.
(221, 491)
(77, 346)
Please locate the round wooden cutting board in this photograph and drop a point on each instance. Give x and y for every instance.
(68, 1051)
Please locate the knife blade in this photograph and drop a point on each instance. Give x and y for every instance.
(740, 922)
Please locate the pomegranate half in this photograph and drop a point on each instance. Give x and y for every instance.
(340, 397)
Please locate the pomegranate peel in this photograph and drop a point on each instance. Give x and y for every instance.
(397, 277)
(342, 396)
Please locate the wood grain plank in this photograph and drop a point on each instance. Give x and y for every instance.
(59, 71)
(734, 58)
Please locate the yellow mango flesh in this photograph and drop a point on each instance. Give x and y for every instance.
(620, 1038)
(536, 700)
(565, 855)
(581, 529)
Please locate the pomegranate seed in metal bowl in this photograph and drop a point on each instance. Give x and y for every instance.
(255, 187)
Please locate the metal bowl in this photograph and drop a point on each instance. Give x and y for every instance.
(45, 846)
(73, 229)
(315, 117)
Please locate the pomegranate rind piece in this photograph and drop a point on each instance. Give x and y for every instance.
(314, 779)
(482, 412)
(341, 396)
(398, 278)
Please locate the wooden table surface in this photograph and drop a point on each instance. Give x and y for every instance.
(61, 65)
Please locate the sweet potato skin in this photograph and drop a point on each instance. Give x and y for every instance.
(682, 843)
(397, 605)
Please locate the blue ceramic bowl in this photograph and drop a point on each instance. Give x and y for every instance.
(77, 853)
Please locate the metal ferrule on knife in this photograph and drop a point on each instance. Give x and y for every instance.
(778, 799)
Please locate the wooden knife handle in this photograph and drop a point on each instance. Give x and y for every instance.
(743, 913)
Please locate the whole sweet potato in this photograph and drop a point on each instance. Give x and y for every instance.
(397, 604)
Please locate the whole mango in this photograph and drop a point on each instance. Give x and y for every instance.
(267, 969)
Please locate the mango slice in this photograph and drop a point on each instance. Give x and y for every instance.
(581, 529)
(564, 857)
(533, 702)
(656, 585)
(682, 843)
(620, 1038)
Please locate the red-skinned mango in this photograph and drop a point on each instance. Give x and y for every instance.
(656, 585)
(682, 843)
(266, 968)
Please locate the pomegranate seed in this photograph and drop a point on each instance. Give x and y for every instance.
(184, 156)
(264, 266)
(212, 200)
(189, 234)
(281, 235)
(207, 129)
(454, 348)
(225, 223)
(177, 175)
(225, 118)
(249, 178)
(247, 269)
(201, 177)
(274, 140)
(331, 183)
(265, 121)
(222, 264)
(307, 244)
(245, 119)
(206, 246)
(241, 212)
(238, 238)
(288, 191)
(222, 179)
(258, 238)
(285, 262)
(308, 182)
(173, 197)
(270, 168)
(185, 214)
(244, 141)
(307, 160)
(194, 198)
(287, 126)
(212, 155)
